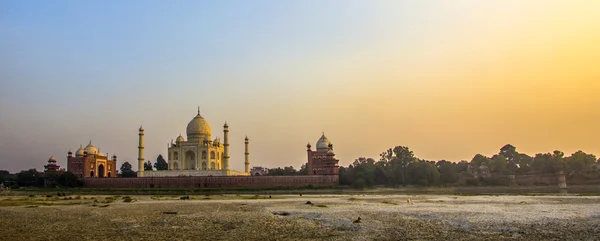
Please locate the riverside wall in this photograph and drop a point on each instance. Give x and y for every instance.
(212, 182)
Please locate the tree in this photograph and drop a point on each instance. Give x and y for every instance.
(5, 176)
(509, 152)
(396, 161)
(161, 164)
(30, 178)
(479, 160)
(126, 170)
(148, 166)
(364, 168)
(68, 179)
(448, 174)
(524, 161)
(499, 164)
(303, 169)
(580, 162)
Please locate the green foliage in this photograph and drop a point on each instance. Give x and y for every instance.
(399, 166)
(161, 164)
(30, 178)
(359, 184)
(448, 173)
(286, 171)
(148, 166)
(68, 179)
(126, 170)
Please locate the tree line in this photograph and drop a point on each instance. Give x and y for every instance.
(396, 166)
(399, 166)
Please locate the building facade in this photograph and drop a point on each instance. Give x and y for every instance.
(90, 162)
(322, 161)
(199, 151)
(198, 155)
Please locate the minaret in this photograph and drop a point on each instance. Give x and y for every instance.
(310, 159)
(226, 147)
(247, 157)
(141, 153)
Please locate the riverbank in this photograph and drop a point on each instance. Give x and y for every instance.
(307, 217)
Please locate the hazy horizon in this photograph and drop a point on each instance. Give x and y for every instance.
(448, 79)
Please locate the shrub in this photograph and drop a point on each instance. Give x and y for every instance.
(359, 184)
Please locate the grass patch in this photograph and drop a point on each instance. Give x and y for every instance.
(355, 199)
(389, 202)
(127, 199)
(321, 205)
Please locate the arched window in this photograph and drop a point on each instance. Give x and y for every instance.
(212, 166)
(175, 166)
(92, 174)
(212, 155)
(204, 166)
(175, 156)
(204, 155)
(190, 160)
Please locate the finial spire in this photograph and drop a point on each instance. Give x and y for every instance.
(198, 110)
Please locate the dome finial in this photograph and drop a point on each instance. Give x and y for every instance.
(198, 110)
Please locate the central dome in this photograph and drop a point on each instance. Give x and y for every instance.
(197, 128)
(323, 143)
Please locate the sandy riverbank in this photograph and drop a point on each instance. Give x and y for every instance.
(288, 217)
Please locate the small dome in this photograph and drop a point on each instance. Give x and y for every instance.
(179, 139)
(79, 151)
(323, 143)
(100, 153)
(141, 128)
(91, 149)
(197, 128)
(52, 159)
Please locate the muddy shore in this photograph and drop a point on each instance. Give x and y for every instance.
(289, 217)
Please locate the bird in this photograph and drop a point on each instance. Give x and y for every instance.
(357, 220)
(409, 201)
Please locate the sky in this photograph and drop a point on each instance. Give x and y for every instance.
(448, 79)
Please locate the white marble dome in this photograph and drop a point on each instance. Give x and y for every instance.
(91, 149)
(79, 151)
(323, 142)
(198, 127)
(179, 139)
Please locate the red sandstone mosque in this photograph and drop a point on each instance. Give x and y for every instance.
(322, 161)
(90, 162)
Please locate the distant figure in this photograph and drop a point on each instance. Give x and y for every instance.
(357, 220)
(409, 201)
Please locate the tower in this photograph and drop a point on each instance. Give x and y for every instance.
(226, 147)
(141, 153)
(309, 165)
(247, 156)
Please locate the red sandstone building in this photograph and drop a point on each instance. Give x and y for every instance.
(90, 162)
(322, 161)
(52, 166)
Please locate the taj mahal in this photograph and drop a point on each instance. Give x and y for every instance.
(198, 161)
(199, 155)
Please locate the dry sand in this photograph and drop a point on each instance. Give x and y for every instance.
(288, 217)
